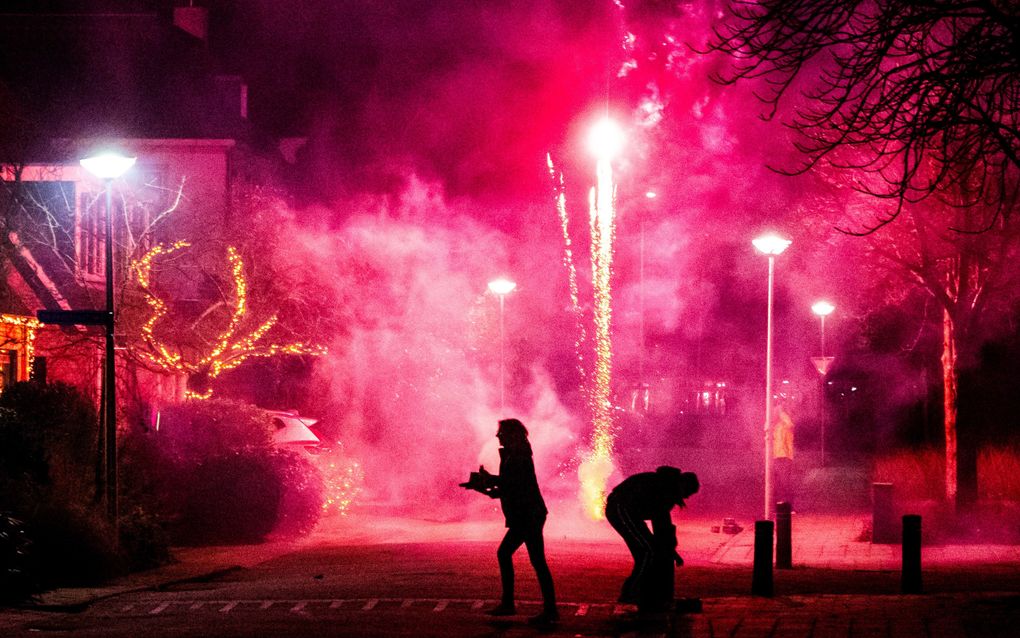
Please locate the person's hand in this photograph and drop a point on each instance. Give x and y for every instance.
(678, 558)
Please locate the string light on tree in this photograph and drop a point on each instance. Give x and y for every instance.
(231, 349)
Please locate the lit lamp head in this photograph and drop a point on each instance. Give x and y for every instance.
(771, 245)
(822, 308)
(606, 139)
(107, 165)
(501, 286)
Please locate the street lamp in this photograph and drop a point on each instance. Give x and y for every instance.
(770, 245)
(501, 288)
(109, 166)
(823, 309)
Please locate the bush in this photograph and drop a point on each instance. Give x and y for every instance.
(144, 542)
(48, 447)
(217, 477)
(920, 474)
(302, 498)
(51, 440)
(71, 546)
(916, 475)
(229, 499)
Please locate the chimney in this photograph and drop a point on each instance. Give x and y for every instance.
(193, 21)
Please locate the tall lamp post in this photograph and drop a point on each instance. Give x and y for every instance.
(501, 288)
(770, 245)
(108, 167)
(823, 309)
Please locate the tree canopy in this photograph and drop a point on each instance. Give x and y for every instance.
(891, 88)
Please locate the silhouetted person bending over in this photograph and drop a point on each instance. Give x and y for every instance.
(650, 496)
(517, 490)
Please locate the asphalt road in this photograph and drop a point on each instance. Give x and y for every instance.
(441, 588)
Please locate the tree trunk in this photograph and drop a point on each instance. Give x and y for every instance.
(950, 385)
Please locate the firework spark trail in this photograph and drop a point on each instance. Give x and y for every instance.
(594, 472)
(568, 261)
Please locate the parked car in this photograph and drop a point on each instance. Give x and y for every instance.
(294, 431)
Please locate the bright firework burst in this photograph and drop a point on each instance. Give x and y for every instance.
(594, 471)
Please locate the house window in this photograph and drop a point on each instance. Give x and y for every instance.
(89, 234)
(137, 209)
(9, 368)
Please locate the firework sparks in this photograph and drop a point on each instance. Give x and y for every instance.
(594, 471)
(568, 262)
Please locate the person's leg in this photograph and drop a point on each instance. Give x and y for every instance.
(639, 541)
(505, 555)
(536, 552)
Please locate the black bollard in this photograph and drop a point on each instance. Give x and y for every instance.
(784, 530)
(761, 575)
(911, 580)
(883, 518)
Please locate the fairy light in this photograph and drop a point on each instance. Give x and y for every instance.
(28, 327)
(230, 350)
(342, 484)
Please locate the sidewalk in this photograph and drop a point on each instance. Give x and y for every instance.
(190, 564)
(833, 542)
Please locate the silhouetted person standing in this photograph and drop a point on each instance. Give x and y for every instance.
(650, 496)
(516, 487)
(782, 452)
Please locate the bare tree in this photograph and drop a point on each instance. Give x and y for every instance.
(891, 88)
(970, 280)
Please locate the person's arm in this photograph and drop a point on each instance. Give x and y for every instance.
(664, 533)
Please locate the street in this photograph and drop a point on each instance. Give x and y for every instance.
(441, 587)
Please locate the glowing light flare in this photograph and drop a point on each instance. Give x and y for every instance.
(771, 244)
(602, 218)
(595, 469)
(593, 474)
(501, 286)
(107, 165)
(822, 308)
(606, 139)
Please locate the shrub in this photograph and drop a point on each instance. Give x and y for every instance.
(217, 478)
(920, 474)
(144, 541)
(48, 436)
(915, 474)
(71, 546)
(999, 473)
(302, 494)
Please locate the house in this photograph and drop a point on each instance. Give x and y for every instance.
(159, 96)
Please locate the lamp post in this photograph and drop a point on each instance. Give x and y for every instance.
(770, 245)
(108, 167)
(501, 288)
(823, 309)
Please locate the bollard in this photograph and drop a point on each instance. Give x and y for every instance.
(911, 580)
(761, 575)
(784, 530)
(883, 520)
